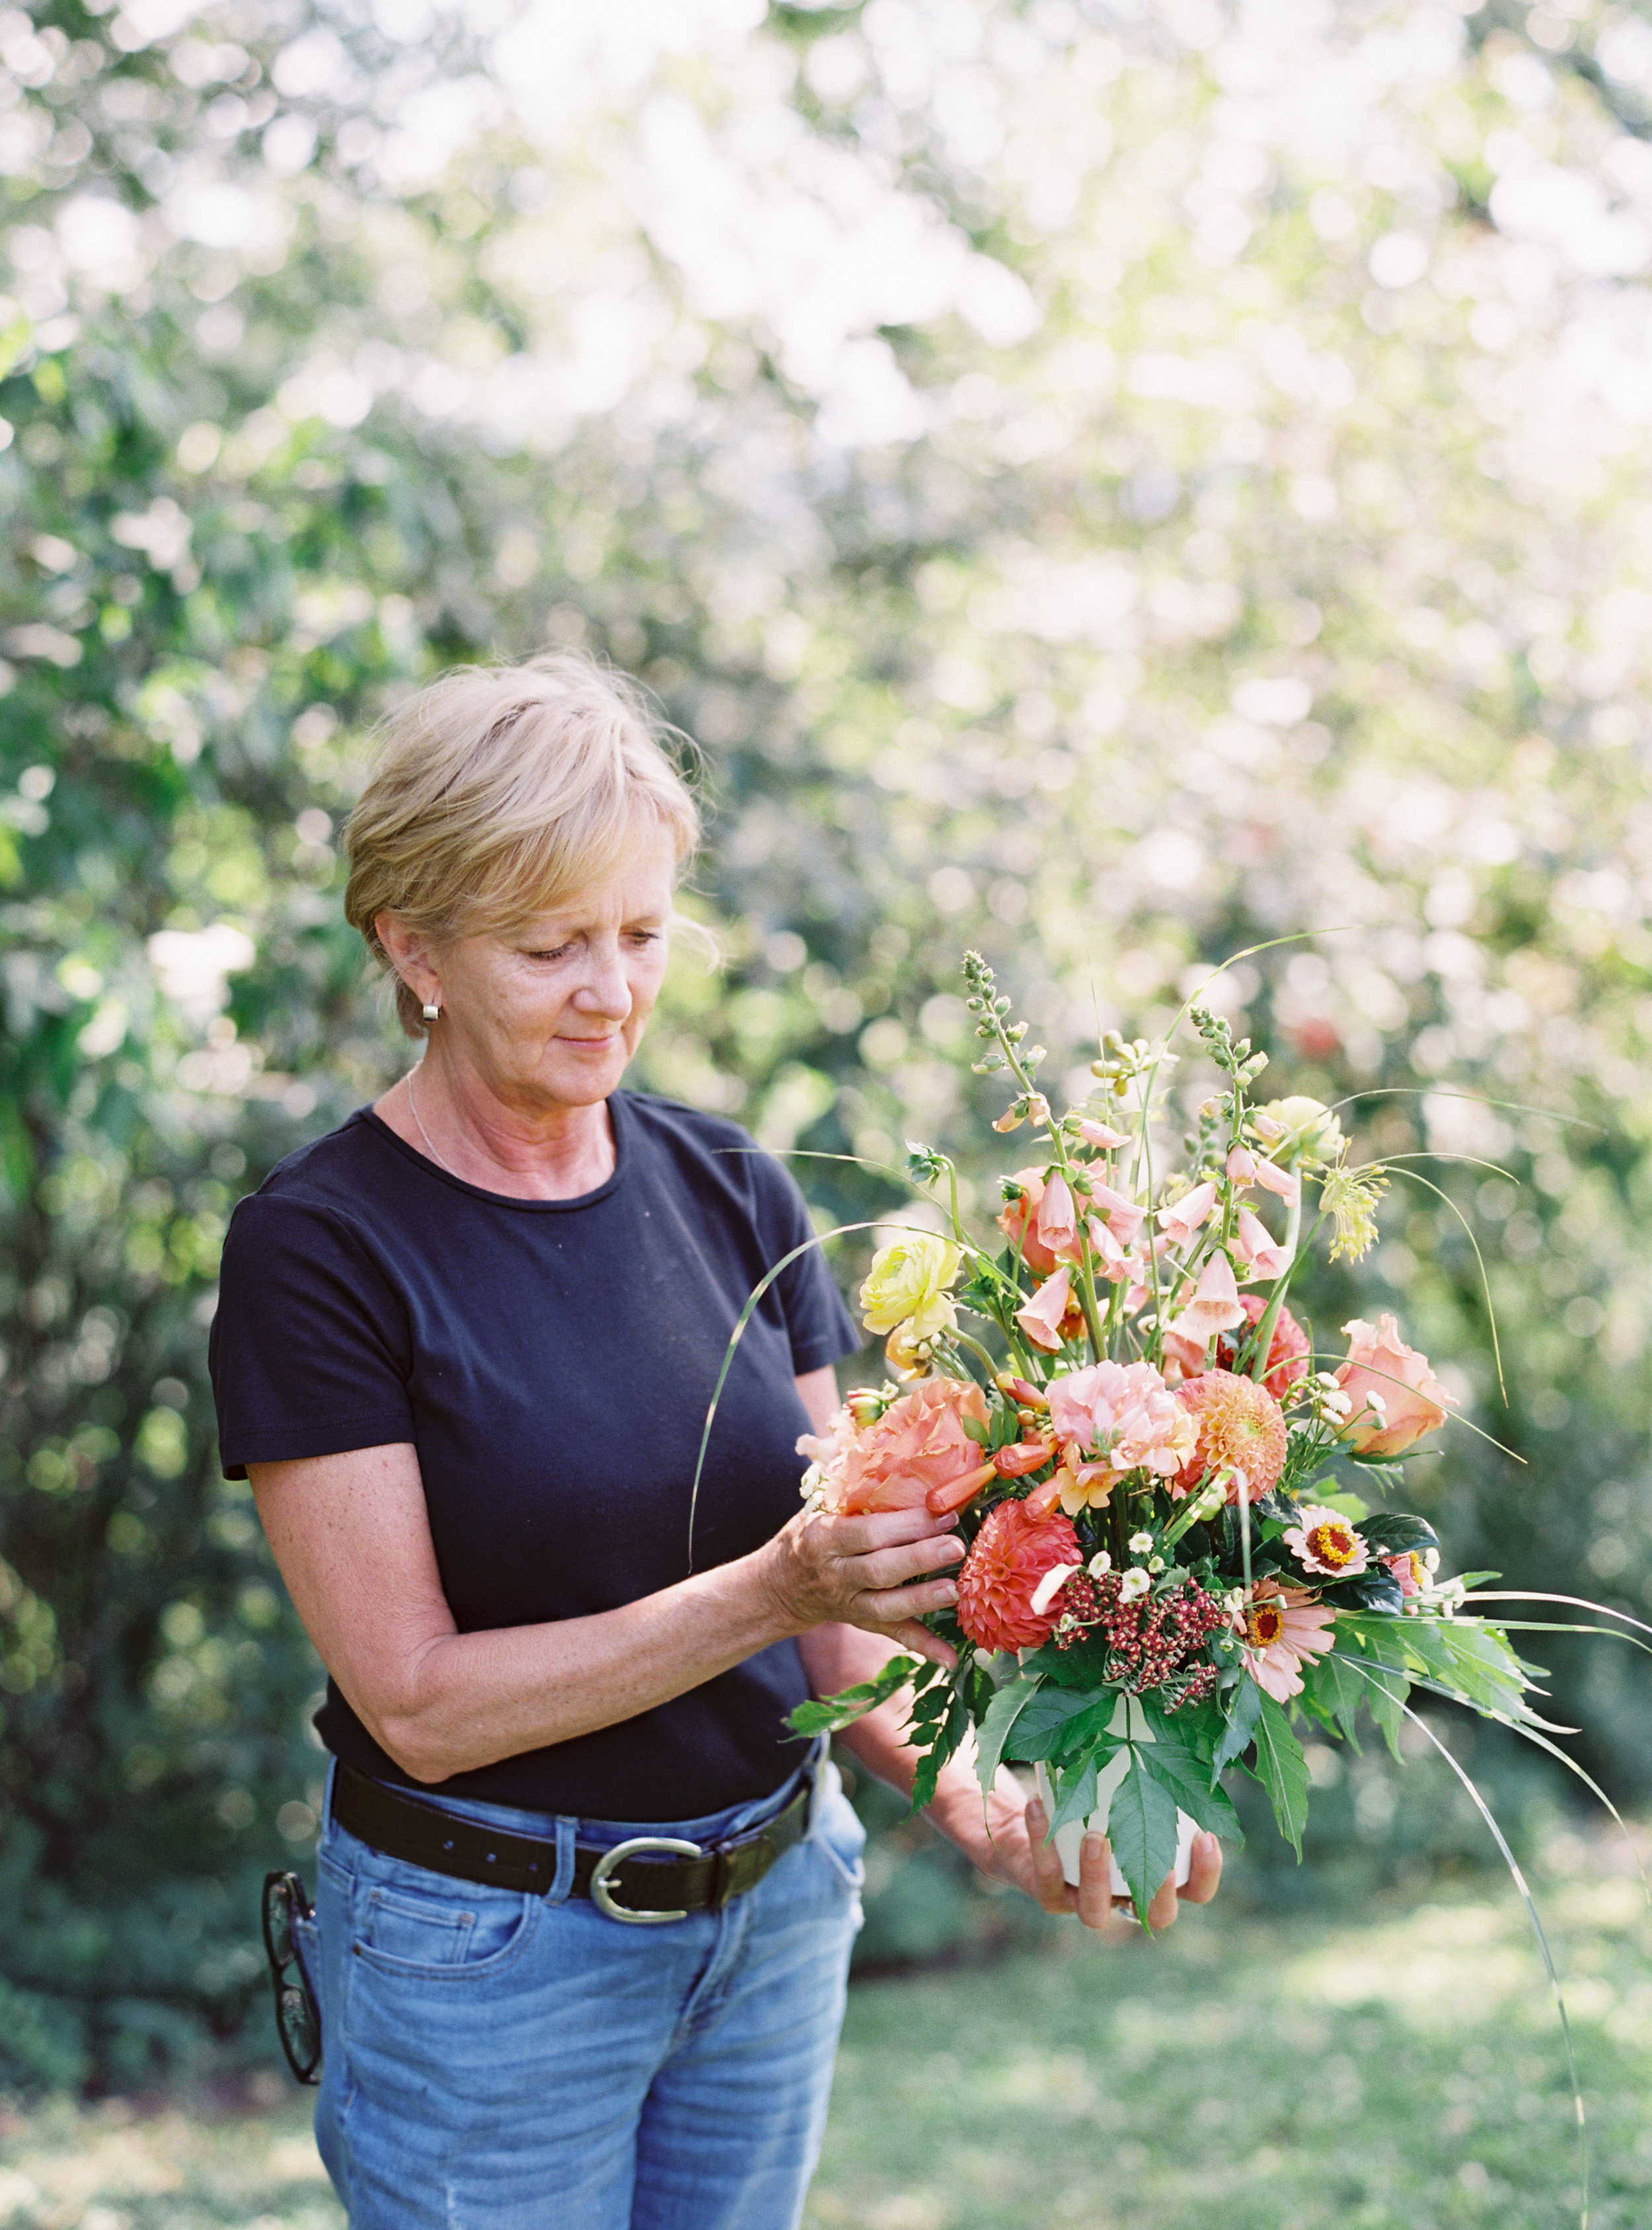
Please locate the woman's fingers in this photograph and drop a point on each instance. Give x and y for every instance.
(906, 1633)
(1051, 1887)
(1095, 1882)
(879, 1529)
(1204, 1877)
(1161, 1913)
(893, 1567)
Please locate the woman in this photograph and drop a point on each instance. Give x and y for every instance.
(463, 1352)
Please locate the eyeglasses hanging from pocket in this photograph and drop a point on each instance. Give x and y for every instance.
(298, 2018)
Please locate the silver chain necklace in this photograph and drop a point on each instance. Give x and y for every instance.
(414, 1104)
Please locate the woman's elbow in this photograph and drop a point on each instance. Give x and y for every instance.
(410, 1726)
(416, 1748)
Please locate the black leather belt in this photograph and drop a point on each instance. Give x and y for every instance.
(626, 1883)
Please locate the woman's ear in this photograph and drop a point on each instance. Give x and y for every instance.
(408, 954)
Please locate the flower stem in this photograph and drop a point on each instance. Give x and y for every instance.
(1085, 1276)
(1264, 1332)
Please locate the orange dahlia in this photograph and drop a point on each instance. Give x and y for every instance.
(1240, 1425)
(1288, 1350)
(1012, 1552)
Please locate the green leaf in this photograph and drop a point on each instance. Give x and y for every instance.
(1075, 1789)
(1334, 1691)
(1188, 1779)
(1141, 1827)
(1059, 1723)
(1385, 1693)
(1240, 1729)
(1283, 1770)
(948, 1734)
(1001, 1715)
(1197, 1727)
(828, 1713)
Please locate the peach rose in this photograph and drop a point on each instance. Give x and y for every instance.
(916, 1452)
(1397, 1398)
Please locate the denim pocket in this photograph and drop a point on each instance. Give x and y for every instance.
(402, 1927)
(837, 1832)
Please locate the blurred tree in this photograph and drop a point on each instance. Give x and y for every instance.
(1108, 490)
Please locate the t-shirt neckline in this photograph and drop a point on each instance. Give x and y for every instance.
(618, 1113)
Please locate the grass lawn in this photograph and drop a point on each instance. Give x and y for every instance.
(1401, 2070)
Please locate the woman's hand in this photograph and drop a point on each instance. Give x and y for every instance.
(1011, 1843)
(868, 1572)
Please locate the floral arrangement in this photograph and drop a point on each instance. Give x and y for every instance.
(1180, 1546)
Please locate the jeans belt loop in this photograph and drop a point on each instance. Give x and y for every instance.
(562, 1880)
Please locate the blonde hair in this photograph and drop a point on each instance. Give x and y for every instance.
(498, 793)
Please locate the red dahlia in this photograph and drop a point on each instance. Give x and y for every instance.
(1288, 1350)
(1012, 1552)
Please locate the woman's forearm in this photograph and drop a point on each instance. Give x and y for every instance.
(351, 1536)
(470, 1698)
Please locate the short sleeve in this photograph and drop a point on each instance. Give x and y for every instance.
(310, 1347)
(821, 1327)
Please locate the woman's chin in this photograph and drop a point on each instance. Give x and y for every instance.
(582, 1082)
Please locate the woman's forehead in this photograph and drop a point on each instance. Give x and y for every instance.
(639, 889)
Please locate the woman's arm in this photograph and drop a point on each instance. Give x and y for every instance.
(352, 1539)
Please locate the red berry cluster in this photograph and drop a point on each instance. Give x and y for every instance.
(1152, 1642)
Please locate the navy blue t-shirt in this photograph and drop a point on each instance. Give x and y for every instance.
(552, 1362)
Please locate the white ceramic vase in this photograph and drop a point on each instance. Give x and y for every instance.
(1129, 1720)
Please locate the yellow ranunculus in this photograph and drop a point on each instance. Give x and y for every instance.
(907, 1284)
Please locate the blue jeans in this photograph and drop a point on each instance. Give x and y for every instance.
(501, 2060)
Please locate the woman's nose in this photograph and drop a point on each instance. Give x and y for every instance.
(605, 990)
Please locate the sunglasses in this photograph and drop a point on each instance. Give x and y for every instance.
(298, 2018)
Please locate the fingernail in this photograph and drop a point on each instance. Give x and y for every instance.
(946, 1592)
(1038, 1811)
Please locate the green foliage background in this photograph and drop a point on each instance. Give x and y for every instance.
(1111, 488)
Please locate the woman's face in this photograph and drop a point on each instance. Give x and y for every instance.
(548, 1017)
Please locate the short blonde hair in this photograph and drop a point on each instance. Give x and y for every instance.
(499, 792)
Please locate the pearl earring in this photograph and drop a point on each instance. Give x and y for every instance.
(431, 1013)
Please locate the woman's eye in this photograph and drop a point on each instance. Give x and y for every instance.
(557, 952)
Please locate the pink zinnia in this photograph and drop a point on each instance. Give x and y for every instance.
(1325, 1543)
(1282, 1629)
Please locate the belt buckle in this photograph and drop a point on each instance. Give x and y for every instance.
(603, 1899)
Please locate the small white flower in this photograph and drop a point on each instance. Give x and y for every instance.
(1376, 1401)
(1155, 1563)
(1135, 1583)
(1141, 1543)
(1431, 1560)
(1100, 1563)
